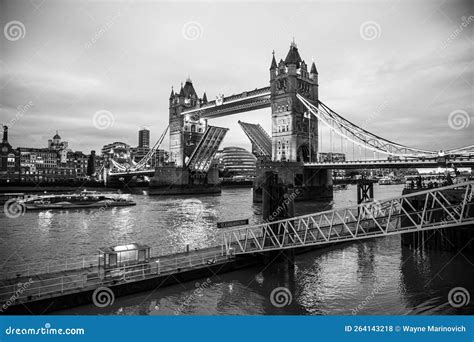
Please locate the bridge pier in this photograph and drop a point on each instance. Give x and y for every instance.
(305, 183)
(277, 205)
(443, 239)
(172, 180)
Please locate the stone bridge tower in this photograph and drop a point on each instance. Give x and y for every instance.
(185, 132)
(294, 134)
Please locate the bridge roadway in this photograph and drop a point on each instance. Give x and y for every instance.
(391, 164)
(356, 164)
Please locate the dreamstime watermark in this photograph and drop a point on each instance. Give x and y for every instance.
(378, 111)
(99, 212)
(192, 30)
(458, 297)
(198, 292)
(281, 297)
(14, 30)
(455, 211)
(22, 287)
(370, 30)
(21, 111)
(13, 208)
(103, 296)
(153, 307)
(104, 28)
(377, 288)
(465, 23)
(459, 119)
(193, 208)
(288, 199)
(103, 119)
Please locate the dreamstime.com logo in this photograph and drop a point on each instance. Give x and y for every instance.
(46, 330)
(14, 30)
(192, 30)
(103, 119)
(14, 208)
(458, 297)
(103, 296)
(370, 30)
(281, 297)
(459, 119)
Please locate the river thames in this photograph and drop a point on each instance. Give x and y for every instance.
(378, 276)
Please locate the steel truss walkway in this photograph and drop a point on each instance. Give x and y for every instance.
(244, 102)
(261, 141)
(368, 220)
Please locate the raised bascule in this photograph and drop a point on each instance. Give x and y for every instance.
(291, 149)
(293, 141)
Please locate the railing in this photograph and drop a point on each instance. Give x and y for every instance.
(379, 218)
(386, 161)
(17, 270)
(33, 289)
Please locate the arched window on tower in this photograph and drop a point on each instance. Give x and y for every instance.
(193, 128)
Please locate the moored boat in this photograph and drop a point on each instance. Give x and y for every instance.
(385, 181)
(85, 199)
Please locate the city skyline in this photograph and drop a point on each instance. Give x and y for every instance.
(123, 59)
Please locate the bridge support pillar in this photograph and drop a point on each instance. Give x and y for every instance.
(365, 191)
(277, 205)
(305, 183)
(172, 180)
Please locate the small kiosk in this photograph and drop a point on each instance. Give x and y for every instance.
(121, 258)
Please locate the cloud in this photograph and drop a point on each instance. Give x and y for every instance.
(81, 57)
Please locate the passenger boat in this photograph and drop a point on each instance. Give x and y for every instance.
(5, 197)
(85, 199)
(385, 181)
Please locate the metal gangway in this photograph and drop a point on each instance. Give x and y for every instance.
(367, 220)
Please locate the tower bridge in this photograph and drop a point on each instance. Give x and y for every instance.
(291, 148)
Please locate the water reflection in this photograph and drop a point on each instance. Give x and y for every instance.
(330, 281)
(45, 220)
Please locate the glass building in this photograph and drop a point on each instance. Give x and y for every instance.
(237, 162)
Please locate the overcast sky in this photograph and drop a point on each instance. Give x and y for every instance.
(396, 68)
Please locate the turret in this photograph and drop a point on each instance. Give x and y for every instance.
(313, 74)
(293, 59)
(273, 66)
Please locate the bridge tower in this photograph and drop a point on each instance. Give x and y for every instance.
(185, 131)
(294, 132)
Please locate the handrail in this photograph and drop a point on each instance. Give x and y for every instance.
(85, 280)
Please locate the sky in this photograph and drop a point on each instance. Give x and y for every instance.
(98, 71)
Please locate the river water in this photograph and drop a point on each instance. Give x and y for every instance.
(378, 276)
